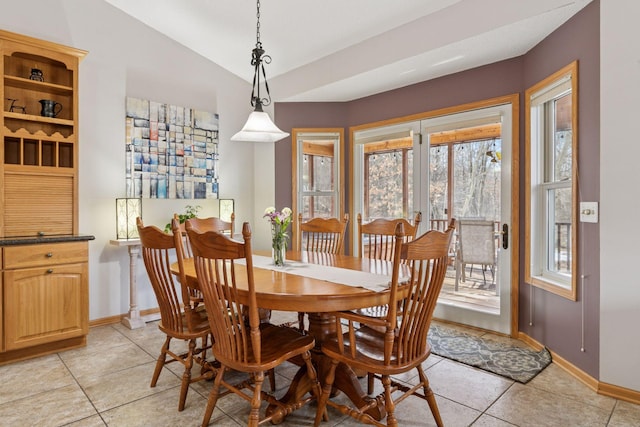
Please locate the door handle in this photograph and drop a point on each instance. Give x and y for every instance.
(505, 236)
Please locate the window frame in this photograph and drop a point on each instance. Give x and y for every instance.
(538, 230)
(296, 170)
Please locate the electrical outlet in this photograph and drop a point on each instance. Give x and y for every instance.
(588, 211)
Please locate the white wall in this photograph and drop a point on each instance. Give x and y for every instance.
(620, 204)
(126, 58)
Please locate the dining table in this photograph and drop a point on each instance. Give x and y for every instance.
(317, 284)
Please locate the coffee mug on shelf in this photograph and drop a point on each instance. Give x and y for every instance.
(50, 108)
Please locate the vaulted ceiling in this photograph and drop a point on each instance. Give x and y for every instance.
(339, 50)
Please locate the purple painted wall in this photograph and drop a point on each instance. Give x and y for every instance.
(557, 322)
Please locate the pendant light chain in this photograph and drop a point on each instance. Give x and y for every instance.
(259, 127)
(258, 59)
(258, 24)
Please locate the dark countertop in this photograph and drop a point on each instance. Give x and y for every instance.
(35, 240)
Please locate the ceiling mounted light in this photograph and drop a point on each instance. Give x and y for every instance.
(259, 127)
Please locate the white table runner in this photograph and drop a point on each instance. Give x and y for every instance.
(343, 276)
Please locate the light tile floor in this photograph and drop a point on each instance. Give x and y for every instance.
(107, 383)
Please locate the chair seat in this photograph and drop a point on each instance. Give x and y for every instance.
(278, 343)
(200, 325)
(374, 311)
(369, 352)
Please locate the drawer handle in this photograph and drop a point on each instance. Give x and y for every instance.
(40, 233)
(49, 271)
(50, 254)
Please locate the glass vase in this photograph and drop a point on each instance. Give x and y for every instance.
(278, 251)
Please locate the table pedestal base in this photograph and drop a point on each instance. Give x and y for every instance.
(321, 326)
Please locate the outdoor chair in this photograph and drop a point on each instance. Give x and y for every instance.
(241, 342)
(178, 319)
(397, 343)
(476, 245)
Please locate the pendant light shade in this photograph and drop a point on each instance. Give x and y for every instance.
(259, 127)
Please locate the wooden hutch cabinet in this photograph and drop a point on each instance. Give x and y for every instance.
(44, 259)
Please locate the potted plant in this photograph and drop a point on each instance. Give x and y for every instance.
(190, 212)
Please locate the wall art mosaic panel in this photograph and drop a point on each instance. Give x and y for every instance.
(171, 151)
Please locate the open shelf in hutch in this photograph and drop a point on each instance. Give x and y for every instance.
(29, 138)
(39, 161)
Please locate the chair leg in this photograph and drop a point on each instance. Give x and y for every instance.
(316, 391)
(213, 396)
(186, 375)
(370, 378)
(388, 402)
(326, 391)
(256, 400)
(161, 361)
(203, 361)
(272, 379)
(431, 398)
(484, 275)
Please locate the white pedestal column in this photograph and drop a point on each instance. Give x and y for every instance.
(133, 320)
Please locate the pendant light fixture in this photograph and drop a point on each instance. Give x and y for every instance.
(259, 127)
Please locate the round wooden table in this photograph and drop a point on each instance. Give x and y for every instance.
(281, 290)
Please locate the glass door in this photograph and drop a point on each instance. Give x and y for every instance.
(456, 165)
(469, 178)
(384, 173)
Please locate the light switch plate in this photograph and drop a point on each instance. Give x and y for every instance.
(588, 211)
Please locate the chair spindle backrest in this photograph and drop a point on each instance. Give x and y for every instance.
(376, 239)
(158, 249)
(426, 257)
(205, 224)
(324, 235)
(215, 258)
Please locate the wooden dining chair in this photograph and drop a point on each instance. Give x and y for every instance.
(206, 224)
(178, 319)
(241, 342)
(397, 343)
(376, 238)
(324, 235)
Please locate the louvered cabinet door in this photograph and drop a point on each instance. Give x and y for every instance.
(38, 204)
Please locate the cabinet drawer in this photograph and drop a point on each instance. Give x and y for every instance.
(45, 254)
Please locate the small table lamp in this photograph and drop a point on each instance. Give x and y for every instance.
(127, 210)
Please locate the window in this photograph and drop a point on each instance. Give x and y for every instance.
(551, 186)
(317, 173)
(388, 179)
